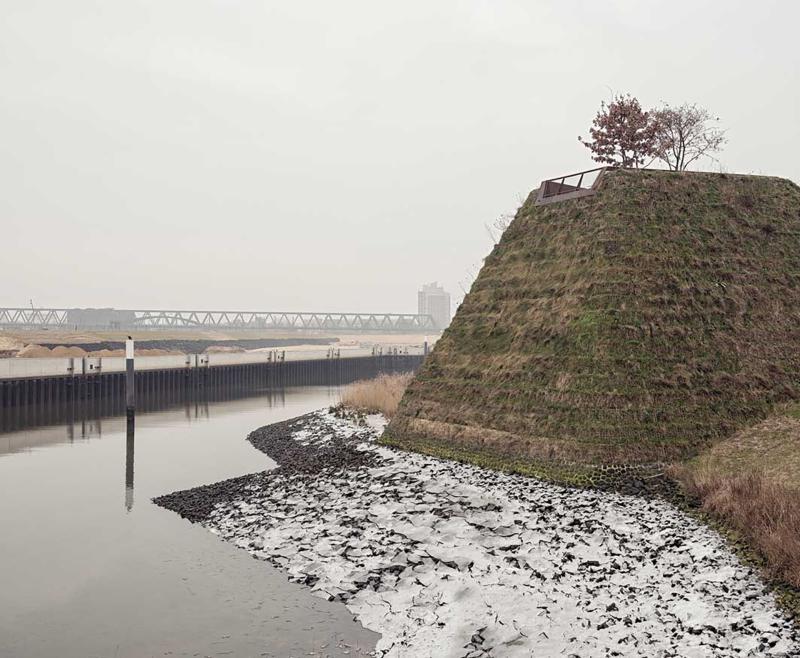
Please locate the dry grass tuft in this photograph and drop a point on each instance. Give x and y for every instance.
(381, 394)
(764, 512)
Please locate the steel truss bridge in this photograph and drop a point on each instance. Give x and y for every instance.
(108, 318)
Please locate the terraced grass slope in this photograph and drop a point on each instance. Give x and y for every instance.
(634, 326)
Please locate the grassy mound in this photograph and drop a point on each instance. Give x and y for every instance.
(635, 326)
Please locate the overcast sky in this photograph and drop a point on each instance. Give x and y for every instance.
(247, 154)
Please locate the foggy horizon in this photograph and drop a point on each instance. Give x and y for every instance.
(231, 156)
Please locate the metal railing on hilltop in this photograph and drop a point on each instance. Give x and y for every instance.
(570, 186)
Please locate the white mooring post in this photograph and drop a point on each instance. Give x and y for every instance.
(130, 411)
(130, 389)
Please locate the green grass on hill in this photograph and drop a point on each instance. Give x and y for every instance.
(638, 325)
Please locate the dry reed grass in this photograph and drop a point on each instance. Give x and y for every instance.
(381, 394)
(764, 512)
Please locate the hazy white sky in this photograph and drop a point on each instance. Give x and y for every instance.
(244, 154)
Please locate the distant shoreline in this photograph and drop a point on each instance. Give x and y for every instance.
(198, 345)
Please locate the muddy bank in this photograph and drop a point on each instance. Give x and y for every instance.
(444, 558)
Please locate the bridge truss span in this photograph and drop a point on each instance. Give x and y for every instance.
(110, 318)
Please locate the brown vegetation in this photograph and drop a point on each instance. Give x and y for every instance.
(764, 513)
(379, 395)
(750, 483)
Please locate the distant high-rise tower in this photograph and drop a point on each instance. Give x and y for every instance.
(433, 300)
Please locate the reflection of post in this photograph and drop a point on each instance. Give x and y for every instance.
(71, 415)
(130, 406)
(129, 464)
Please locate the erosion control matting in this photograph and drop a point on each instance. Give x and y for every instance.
(634, 326)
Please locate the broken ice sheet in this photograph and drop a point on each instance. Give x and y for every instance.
(447, 559)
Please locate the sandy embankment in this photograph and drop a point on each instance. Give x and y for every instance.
(44, 344)
(64, 351)
(9, 346)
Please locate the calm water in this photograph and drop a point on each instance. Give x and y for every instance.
(90, 567)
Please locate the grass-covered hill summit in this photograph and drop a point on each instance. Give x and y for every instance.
(633, 326)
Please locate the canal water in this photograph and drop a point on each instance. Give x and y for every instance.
(89, 566)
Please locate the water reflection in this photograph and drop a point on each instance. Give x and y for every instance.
(92, 568)
(75, 419)
(82, 420)
(129, 458)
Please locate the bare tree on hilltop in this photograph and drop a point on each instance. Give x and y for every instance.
(623, 134)
(685, 134)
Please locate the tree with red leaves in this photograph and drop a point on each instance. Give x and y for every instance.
(623, 134)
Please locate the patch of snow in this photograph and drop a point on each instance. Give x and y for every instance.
(447, 559)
